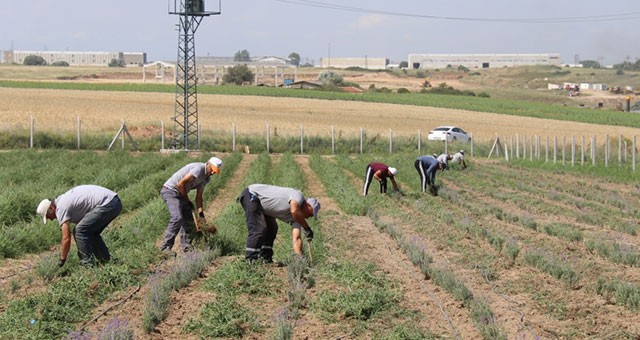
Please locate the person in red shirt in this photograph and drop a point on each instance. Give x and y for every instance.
(380, 172)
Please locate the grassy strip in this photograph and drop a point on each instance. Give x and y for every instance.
(182, 272)
(620, 293)
(503, 106)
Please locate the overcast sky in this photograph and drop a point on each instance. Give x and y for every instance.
(605, 31)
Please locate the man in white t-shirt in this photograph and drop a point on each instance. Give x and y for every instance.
(458, 157)
(91, 208)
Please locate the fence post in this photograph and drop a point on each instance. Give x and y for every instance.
(471, 142)
(573, 150)
(162, 135)
(511, 145)
(361, 136)
(619, 149)
(233, 137)
(268, 138)
(555, 149)
(333, 140)
(31, 131)
(582, 152)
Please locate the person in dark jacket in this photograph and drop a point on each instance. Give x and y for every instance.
(380, 172)
(427, 167)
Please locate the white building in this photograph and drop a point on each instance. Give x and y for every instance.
(365, 63)
(433, 61)
(75, 58)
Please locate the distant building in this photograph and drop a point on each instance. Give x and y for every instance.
(75, 58)
(256, 61)
(365, 63)
(432, 61)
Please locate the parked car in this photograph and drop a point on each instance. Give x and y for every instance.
(449, 133)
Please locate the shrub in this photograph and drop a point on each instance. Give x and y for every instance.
(238, 75)
(34, 60)
(60, 63)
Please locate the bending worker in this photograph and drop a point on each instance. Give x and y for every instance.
(262, 205)
(380, 172)
(91, 208)
(427, 167)
(458, 157)
(175, 193)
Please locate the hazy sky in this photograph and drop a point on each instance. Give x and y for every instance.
(606, 31)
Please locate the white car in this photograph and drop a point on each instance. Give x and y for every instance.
(449, 133)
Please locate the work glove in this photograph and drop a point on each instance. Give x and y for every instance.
(308, 234)
(61, 262)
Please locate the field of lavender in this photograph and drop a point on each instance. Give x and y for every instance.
(506, 250)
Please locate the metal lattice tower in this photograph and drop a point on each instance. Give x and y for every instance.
(185, 119)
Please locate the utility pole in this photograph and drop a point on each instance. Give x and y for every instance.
(186, 128)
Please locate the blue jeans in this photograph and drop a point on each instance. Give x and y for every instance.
(87, 232)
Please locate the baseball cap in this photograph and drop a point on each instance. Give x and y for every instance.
(462, 152)
(42, 209)
(393, 171)
(216, 163)
(315, 204)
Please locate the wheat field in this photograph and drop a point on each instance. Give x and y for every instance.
(101, 111)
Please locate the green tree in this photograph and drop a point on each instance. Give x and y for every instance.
(238, 75)
(330, 78)
(295, 58)
(116, 63)
(590, 64)
(60, 63)
(242, 56)
(34, 60)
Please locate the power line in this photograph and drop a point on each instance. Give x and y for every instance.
(593, 18)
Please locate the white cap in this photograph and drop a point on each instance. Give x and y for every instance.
(216, 163)
(393, 171)
(42, 209)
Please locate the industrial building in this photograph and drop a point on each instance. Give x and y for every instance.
(365, 63)
(75, 58)
(433, 61)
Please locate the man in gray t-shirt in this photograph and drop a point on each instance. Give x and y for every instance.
(175, 193)
(91, 208)
(262, 205)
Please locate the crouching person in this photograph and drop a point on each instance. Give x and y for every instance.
(91, 208)
(262, 205)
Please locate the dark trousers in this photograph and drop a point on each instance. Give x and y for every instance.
(180, 220)
(87, 232)
(262, 229)
(424, 179)
(368, 177)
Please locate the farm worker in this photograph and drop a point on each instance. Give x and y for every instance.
(458, 157)
(175, 193)
(444, 159)
(427, 167)
(91, 208)
(380, 172)
(262, 205)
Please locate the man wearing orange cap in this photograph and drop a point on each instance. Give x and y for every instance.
(175, 193)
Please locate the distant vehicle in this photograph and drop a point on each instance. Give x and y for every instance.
(449, 133)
